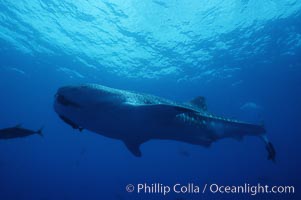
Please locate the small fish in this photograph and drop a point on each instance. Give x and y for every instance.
(17, 132)
(184, 152)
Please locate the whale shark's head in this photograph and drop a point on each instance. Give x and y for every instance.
(72, 103)
(86, 95)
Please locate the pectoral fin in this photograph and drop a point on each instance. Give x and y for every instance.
(133, 147)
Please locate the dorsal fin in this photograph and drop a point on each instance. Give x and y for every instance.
(199, 102)
(18, 126)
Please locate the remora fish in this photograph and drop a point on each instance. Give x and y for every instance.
(17, 132)
(136, 118)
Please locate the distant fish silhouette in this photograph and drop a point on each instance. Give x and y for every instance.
(250, 106)
(83, 151)
(18, 132)
(184, 152)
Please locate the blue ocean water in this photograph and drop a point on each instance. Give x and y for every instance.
(244, 56)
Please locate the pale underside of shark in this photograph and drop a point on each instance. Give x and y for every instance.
(136, 118)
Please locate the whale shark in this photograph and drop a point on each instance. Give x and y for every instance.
(135, 118)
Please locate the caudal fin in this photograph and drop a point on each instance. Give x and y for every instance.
(270, 148)
(40, 132)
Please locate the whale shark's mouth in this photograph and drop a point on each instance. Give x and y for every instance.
(66, 102)
(71, 123)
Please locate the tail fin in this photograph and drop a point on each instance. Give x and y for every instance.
(270, 148)
(40, 132)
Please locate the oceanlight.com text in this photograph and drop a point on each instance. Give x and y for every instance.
(193, 188)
